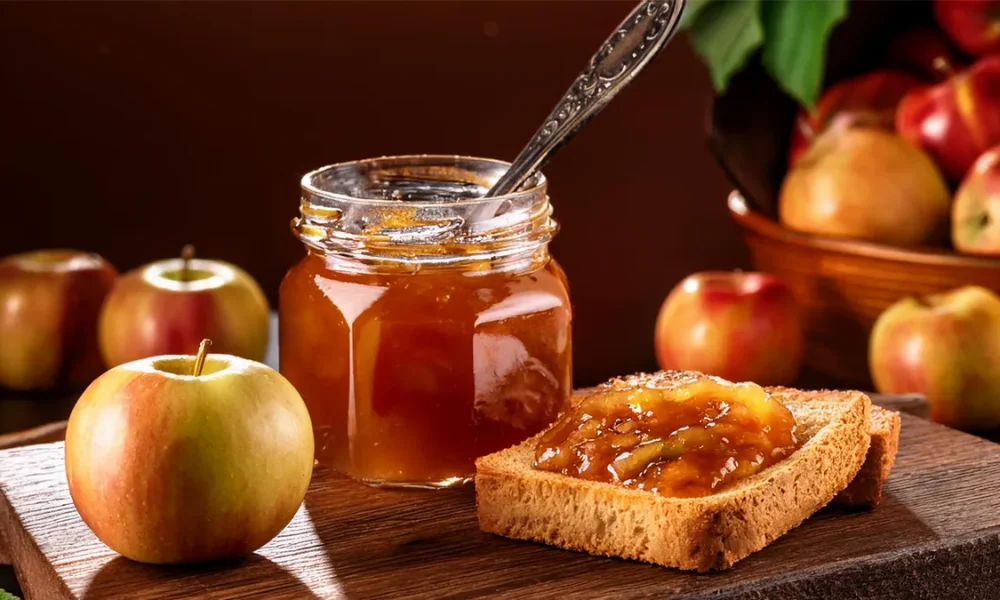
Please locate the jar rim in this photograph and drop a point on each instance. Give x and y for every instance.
(310, 181)
(423, 210)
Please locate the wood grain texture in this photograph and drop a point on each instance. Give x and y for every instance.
(936, 535)
(5, 558)
(52, 432)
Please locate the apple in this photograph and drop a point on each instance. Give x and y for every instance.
(946, 347)
(171, 461)
(957, 120)
(167, 307)
(868, 99)
(974, 25)
(866, 183)
(49, 304)
(925, 52)
(736, 325)
(975, 216)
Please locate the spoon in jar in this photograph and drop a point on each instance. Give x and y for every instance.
(635, 42)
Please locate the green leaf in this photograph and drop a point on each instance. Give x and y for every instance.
(726, 33)
(795, 52)
(691, 10)
(5, 595)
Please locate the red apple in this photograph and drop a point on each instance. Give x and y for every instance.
(974, 25)
(49, 304)
(869, 99)
(925, 52)
(947, 347)
(957, 120)
(168, 307)
(866, 183)
(735, 325)
(166, 466)
(975, 213)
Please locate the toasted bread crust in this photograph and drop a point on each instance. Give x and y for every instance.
(866, 489)
(703, 534)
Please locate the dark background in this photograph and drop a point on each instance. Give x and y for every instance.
(131, 129)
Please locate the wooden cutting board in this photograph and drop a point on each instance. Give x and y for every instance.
(936, 535)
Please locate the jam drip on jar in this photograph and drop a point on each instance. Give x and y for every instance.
(689, 441)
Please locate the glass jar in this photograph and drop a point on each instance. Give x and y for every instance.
(426, 325)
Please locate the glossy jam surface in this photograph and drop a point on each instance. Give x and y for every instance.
(409, 377)
(686, 441)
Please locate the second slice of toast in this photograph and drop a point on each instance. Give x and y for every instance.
(708, 533)
(866, 488)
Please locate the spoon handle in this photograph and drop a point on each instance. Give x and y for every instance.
(642, 34)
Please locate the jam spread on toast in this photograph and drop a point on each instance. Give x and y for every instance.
(687, 440)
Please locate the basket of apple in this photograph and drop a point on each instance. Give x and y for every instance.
(863, 140)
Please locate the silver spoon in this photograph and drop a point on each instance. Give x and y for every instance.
(635, 42)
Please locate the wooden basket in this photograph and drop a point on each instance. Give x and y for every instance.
(843, 285)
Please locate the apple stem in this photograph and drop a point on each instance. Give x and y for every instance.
(942, 66)
(199, 361)
(187, 254)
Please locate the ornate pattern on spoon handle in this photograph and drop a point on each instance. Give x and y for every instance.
(634, 43)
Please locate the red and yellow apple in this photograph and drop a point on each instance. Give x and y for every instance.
(925, 52)
(957, 120)
(974, 25)
(868, 99)
(49, 304)
(169, 306)
(866, 183)
(975, 216)
(166, 466)
(946, 347)
(735, 325)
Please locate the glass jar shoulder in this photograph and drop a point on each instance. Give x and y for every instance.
(487, 296)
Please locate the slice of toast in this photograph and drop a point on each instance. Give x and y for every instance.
(866, 489)
(703, 534)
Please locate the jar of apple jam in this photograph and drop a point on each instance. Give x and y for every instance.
(426, 325)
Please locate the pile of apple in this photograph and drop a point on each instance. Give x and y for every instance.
(171, 457)
(908, 154)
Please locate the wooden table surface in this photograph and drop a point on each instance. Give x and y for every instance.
(936, 535)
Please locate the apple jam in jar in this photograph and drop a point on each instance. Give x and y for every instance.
(426, 326)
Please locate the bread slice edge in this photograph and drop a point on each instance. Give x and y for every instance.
(865, 491)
